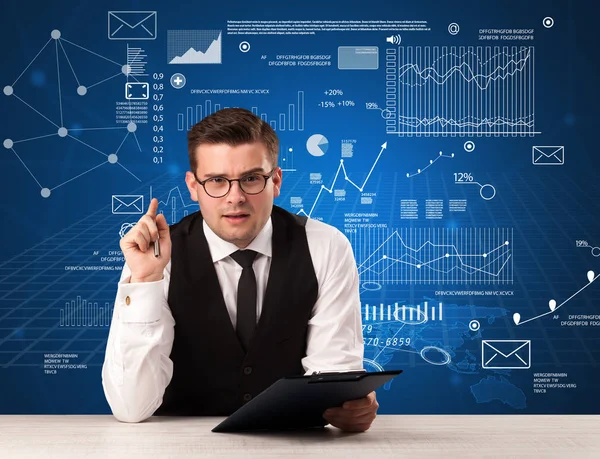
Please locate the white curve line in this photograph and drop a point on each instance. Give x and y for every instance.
(564, 302)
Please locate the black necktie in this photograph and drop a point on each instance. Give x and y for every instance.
(246, 297)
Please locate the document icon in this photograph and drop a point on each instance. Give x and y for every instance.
(126, 204)
(137, 91)
(506, 354)
(548, 156)
(132, 25)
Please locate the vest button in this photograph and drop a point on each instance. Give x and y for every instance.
(247, 397)
(247, 370)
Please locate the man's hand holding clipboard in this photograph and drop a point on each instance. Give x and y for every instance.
(354, 415)
(344, 399)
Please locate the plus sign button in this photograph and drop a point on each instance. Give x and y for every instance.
(178, 81)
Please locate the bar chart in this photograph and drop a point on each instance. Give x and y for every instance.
(85, 313)
(417, 314)
(291, 119)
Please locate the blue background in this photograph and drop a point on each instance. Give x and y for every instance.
(543, 209)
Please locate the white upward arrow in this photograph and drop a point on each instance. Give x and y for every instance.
(361, 188)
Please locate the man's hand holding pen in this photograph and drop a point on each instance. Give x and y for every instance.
(147, 246)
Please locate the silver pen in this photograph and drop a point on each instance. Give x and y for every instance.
(157, 248)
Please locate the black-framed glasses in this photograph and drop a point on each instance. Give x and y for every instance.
(253, 183)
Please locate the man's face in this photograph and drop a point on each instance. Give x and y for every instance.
(236, 217)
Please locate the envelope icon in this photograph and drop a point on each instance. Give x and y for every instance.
(127, 204)
(506, 354)
(132, 25)
(548, 156)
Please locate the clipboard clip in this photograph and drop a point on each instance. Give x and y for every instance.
(323, 377)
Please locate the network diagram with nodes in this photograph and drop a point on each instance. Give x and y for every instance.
(12, 91)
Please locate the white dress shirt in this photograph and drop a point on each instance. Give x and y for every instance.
(137, 368)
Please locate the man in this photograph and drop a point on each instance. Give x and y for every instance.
(242, 294)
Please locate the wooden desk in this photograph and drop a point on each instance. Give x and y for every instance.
(87, 437)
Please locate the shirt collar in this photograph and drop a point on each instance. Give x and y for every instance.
(220, 248)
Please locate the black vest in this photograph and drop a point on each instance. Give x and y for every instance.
(212, 375)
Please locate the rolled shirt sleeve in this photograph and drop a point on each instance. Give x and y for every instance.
(137, 368)
(335, 341)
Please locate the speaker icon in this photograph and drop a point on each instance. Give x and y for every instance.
(394, 39)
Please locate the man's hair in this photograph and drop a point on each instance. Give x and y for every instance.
(232, 126)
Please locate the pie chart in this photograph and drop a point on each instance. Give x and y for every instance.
(317, 145)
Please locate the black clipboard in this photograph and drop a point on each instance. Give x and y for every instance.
(298, 402)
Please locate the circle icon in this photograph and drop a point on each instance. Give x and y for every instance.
(178, 80)
(371, 286)
(244, 47)
(487, 192)
(548, 22)
(317, 145)
(469, 146)
(386, 114)
(124, 228)
(445, 360)
(453, 28)
(474, 325)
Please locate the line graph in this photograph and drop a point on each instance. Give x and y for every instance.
(465, 91)
(431, 162)
(552, 303)
(433, 255)
(342, 168)
(170, 205)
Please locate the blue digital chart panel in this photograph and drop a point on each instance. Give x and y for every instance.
(454, 144)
